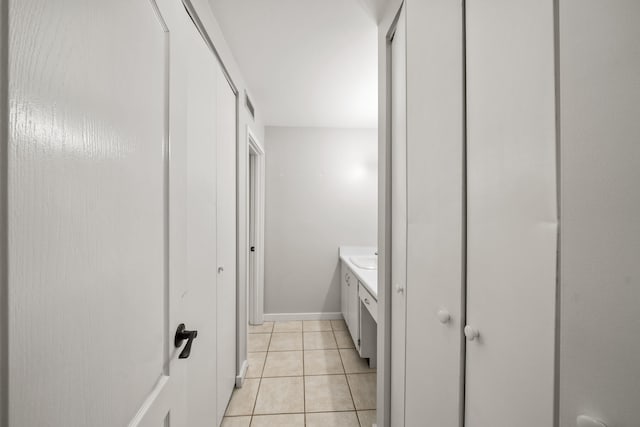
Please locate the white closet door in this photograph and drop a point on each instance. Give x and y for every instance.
(92, 306)
(600, 241)
(398, 219)
(201, 224)
(435, 144)
(226, 225)
(512, 218)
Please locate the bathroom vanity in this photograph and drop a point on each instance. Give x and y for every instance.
(359, 295)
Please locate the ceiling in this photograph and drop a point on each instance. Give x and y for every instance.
(307, 62)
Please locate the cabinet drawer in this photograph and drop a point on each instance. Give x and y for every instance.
(368, 301)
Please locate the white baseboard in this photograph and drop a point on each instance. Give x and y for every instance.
(279, 317)
(242, 374)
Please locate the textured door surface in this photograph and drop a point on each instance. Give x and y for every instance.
(512, 218)
(600, 240)
(226, 220)
(92, 306)
(398, 219)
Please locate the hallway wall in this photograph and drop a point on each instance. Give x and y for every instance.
(321, 193)
(600, 235)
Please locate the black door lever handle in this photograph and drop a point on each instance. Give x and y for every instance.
(181, 335)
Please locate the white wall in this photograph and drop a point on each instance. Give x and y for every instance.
(600, 211)
(321, 192)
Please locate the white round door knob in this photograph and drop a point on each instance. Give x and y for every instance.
(399, 289)
(444, 317)
(587, 421)
(471, 333)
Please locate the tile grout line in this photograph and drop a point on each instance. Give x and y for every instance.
(300, 413)
(262, 376)
(255, 402)
(346, 378)
(304, 381)
(319, 375)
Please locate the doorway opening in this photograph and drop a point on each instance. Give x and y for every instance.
(255, 171)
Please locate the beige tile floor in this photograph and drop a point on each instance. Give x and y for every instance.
(303, 373)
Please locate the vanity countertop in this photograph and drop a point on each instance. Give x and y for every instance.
(369, 278)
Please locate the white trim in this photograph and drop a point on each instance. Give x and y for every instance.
(193, 14)
(255, 275)
(279, 317)
(4, 278)
(386, 29)
(153, 410)
(243, 372)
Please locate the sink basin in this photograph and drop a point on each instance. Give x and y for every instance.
(365, 262)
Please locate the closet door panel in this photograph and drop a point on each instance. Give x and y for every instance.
(226, 141)
(435, 138)
(512, 213)
(200, 224)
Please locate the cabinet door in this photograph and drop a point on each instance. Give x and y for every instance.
(344, 306)
(512, 216)
(352, 310)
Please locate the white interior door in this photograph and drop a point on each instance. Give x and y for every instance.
(210, 293)
(512, 216)
(226, 241)
(201, 293)
(253, 262)
(93, 309)
(256, 229)
(398, 219)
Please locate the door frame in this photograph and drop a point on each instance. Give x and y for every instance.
(387, 28)
(4, 283)
(255, 221)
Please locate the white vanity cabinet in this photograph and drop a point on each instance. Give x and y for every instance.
(350, 303)
(368, 308)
